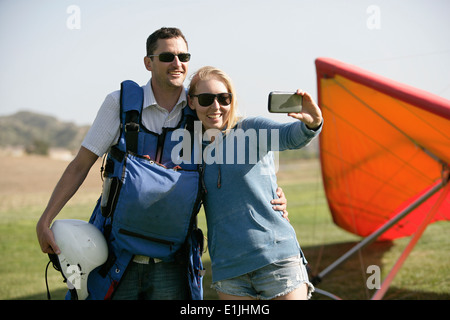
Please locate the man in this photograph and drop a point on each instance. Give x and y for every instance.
(164, 99)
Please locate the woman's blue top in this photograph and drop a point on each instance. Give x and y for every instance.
(244, 232)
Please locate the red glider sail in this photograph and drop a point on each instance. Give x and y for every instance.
(383, 145)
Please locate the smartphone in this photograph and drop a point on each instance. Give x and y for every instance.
(284, 102)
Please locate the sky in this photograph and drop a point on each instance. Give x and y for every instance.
(62, 58)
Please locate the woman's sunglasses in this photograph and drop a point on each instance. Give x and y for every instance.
(207, 99)
(169, 56)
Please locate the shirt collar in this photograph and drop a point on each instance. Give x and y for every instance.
(149, 97)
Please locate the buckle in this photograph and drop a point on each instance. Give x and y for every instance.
(131, 127)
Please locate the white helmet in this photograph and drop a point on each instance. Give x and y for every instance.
(83, 248)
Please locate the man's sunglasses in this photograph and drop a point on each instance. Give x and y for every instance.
(168, 56)
(207, 99)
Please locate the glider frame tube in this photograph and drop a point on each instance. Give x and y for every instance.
(415, 238)
(372, 237)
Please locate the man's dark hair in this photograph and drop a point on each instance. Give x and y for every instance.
(163, 33)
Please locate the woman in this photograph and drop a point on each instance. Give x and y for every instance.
(254, 250)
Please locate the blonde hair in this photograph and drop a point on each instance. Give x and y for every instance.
(207, 73)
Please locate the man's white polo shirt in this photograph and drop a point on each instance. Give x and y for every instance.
(105, 129)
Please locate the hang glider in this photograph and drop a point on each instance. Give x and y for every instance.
(385, 156)
(383, 147)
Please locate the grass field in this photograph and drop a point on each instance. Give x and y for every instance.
(27, 182)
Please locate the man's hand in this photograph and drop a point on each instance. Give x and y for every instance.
(46, 238)
(280, 204)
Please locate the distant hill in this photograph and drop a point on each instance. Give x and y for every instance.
(25, 128)
(29, 129)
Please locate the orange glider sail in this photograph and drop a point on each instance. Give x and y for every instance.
(383, 145)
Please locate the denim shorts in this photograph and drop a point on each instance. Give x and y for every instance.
(274, 280)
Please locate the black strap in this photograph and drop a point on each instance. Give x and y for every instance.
(132, 130)
(46, 282)
(57, 266)
(131, 99)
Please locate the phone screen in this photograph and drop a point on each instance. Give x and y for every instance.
(283, 102)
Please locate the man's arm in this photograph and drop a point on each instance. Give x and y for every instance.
(66, 187)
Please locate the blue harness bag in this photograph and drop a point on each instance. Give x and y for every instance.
(149, 204)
